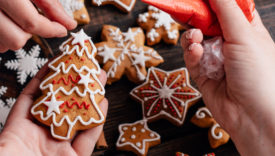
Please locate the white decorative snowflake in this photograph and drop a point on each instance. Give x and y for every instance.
(3, 90)
(5, 107)
(26, 64)
(70, 6)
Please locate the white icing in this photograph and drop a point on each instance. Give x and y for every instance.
(3, 91)
(142, 130)
(138, 144)
(118, 2)
(123, 139)
(70, 6)
(163, 19)
(53, 105)
(134, 129)
(85, 80)
(26, 64)
(201, 113)
(213, 134)
(80, 38)
(152, 135)
(126, 47)
(133, 136)
(143, 17)
(141, 148)
(152, 35)
(83, 16)
(125, 128)
(152, 8)
(173, 34)
(79, 50)
(166, 91)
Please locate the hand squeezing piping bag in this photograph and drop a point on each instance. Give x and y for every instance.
(198, 13)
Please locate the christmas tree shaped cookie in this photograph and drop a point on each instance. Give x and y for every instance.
(125, 53)
(71, 90)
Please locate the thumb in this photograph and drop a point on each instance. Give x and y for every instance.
(234, 24)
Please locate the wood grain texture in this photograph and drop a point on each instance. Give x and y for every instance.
(122, 109)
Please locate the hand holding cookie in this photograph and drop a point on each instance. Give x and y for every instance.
(32, 139)
(19, 19)
(241, 95)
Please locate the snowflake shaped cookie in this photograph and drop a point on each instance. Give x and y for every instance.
(216, 135)
(5, 106)
(137, 137)
(159, 25)
(125, 53)
(26, 63)
(123, 5)
(166, 95)
(77, 10)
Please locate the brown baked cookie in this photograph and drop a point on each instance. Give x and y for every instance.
(159, 25)
(216, 135)
(77, 10)
(125, 53)
(137, 137)
(166, 95)
(182, 154)
(123, 5)
(71, 91)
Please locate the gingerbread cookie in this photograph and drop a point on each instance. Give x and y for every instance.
(166, 95)
(77, 10)
(71, 91)
(125, 53)
(123, 5)
(159, 25)
(137, 137)
(216, 135)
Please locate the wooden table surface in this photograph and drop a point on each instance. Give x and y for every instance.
(122, 109)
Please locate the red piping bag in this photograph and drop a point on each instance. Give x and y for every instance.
(198, 13)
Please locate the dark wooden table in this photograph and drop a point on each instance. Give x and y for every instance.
(122, 109)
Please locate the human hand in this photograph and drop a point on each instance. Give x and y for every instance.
(243, 101)
(21, 136)
(19, 19)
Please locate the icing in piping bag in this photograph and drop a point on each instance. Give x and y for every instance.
(198, 13)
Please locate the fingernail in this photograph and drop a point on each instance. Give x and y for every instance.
(191, 47)
(190, 34)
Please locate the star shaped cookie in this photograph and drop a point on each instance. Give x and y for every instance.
(166, 95)
(125, 53)
(159, 25)
(123, 5)
(77, 10)
(137, 137)
(216, 135)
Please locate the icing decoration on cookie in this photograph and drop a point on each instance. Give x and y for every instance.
(137, 137)
(77, 10)
(26, 63)
(123, 5)
(209, 154)
(166, 95)
(125, 52)
(217, 136)
(72, 90)
(5, 106)
(198, 13)
(159, 25)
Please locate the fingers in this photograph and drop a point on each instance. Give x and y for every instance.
(13, 39)
(191, 36)
(27, 17)
(103, 77)
(23, 103)
(234, 24)
(258, 25)
(85, 142)
(55, 12)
